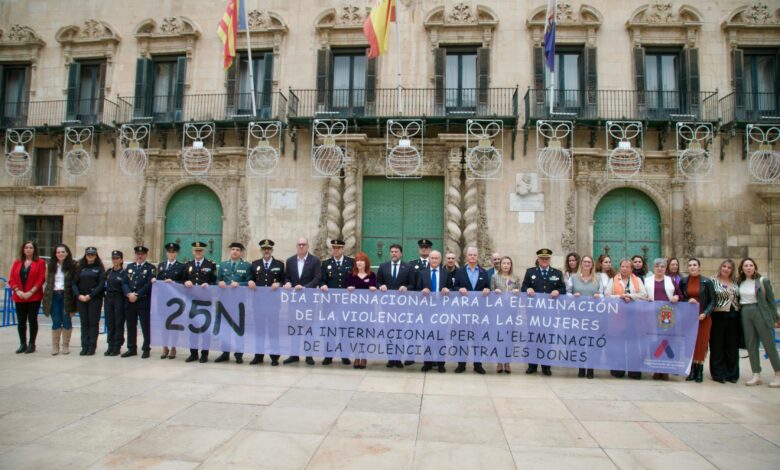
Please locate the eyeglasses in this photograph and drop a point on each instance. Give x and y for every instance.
(303, 244)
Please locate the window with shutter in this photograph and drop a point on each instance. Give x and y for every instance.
(15, 89)
(760, 83)
(460, 81)
(348, 83)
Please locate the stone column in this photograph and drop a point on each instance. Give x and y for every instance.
(454, 214)
(584, 217)
(677, 235)
(772, 199)
(349, 215)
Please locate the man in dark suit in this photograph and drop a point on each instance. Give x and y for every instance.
(434, 278)
(201, 272)
(334, 276)
(137, 287)
(416, 265)
(495, 262)
(266, 272)
(471, 278)
(545, 280)
(302, 270)
(394, 275)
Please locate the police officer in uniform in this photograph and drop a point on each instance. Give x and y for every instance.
(266, 272)
(114, 305)
(417, 265)
(137, 287)
(232, 273)
(334, 276)
(201, 272)
(546, 280)
(171, 270)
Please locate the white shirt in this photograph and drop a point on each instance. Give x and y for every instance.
(59, 279)
(301, 262)
(747, 292)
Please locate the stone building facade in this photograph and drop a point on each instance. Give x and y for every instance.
(490, 165)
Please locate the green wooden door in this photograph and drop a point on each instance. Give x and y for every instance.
(401, 211)
(627, 223)
(195, 213)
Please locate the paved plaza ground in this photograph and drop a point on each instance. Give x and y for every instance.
(97, 412)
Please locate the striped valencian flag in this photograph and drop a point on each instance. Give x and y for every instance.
(377, 27)
(227, 29)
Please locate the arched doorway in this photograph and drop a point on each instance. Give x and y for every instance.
(194, 213)
(626, 223)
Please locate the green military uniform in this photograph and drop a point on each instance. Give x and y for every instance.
(230, 271)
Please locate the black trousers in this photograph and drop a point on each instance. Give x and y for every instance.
(476, 364)
(724, 345)
(89, 314)
(27, 312)
(140, 309)
(115, 321)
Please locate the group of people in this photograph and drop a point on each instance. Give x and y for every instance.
(736, 305)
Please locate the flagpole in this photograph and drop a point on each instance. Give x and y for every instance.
(552, 80)
(398, 46)
(251, 65)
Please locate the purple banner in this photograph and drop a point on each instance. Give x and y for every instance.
(566, 331)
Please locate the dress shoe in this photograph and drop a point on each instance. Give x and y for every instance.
(83, 352)
(258, 359)
(699, 374)
(30, 348)
(731, 380)
(327, 361)
(546, 370)
(171, 356)
(274, 362)
(190, 358)
(460, 369)
(692, 374)
(223, 357)
(635, 375)
(129, 352)
(164, 355)
(239, 360)
(390, 364)
(531, 370)
(345, 361)
(22, 348)
(581, 373)
(90, 352)
(590, 373)
(507, 369)
(408, 363)
(426, 368)
(309, 360)
(618, 374)
(479, 370)
(500, 368)
(204, 358)
(719, 380)
(442, 369)
(115, 352)
(399, 365)
(145, 355)
(107, 353)
(291, 360)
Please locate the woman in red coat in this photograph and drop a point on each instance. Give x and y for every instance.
(26, 279)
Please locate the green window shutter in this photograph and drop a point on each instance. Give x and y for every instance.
(324, 57)
(639, 75)
(231, 85)
(539, 85)
(483, 79)
(439, 68)
(74, 76)
(370, 85)
(694, 86)
(101, 90)
(143, 88)
(591, 77)
(181, 78)
(268, 83)
(738, 66)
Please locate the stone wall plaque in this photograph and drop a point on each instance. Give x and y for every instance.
(284, 198)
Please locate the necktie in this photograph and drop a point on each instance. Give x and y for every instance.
(266, 265)
(434, 283)
(338, 264)
(425, 264)
(168, 267)
(395, 270)
(197, 264)
(544, 273)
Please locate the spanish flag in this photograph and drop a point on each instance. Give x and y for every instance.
(377, 27)
(227, 30)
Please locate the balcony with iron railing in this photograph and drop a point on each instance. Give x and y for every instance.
(219, 107)
(384, 103)
(652, 107)
(59, 113)
(740, 108)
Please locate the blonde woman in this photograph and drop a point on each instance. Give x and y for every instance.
(504, 281)
(586, 283)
